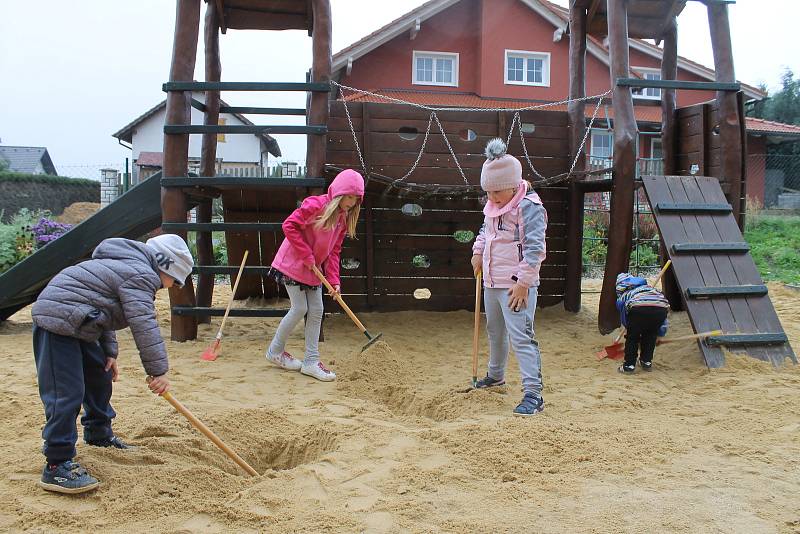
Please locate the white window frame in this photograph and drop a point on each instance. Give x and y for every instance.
(527, 55)
(434, 56)
(653, 142)
(655, 91)
(601, 132)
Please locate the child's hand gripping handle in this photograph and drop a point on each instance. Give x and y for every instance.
(198, 424)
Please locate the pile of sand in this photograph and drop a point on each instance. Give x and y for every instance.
(78, 212)
(396, 444)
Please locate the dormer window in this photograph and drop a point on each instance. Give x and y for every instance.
(650, 93)
(435, 68)
(527, 68)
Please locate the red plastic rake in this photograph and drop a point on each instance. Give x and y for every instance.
(212, 351)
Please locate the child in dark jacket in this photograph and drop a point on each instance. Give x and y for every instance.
(643, 311)
(75, 346)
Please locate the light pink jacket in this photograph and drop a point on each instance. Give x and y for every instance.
(512, 241)
(305, 245)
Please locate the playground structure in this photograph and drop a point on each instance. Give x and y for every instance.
(422, 165)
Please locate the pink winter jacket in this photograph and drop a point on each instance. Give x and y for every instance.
(512, 241)
(305, 245)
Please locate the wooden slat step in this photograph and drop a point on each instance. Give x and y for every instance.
(679, 84)
(229, 269)
(251, 111)
(241, 181)
(733, 340)
(221, 227)
(219, 312)
(318, 87)
(244, 129)
(726, 291)
(688, 207)
(710, 248)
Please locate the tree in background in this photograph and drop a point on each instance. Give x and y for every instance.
(783, 106)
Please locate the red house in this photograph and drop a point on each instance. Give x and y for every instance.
(512, 53)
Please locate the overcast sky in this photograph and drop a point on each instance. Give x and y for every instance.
(73, 73)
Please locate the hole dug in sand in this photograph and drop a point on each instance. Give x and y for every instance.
(303, 445)
(267, 441)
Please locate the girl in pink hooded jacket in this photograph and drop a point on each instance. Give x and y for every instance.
(314, 234)
(510, 250)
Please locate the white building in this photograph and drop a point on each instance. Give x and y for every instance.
(237, 154)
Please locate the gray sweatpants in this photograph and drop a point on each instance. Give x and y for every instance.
(306, 303)
(502, 324)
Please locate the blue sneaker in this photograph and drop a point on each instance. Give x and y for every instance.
(67, 477)
(489, 382)
(529, 405)
(113, 441)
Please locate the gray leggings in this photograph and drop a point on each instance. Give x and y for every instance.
(502, 324)
(306, 303)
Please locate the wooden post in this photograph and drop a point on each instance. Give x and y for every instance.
(669, 141)
(320, 72)
(577, 130)
(621, 220)
(728, 113)
(208, 157)
(176, 148)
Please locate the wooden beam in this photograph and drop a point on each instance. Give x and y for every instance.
(728, 112)
(176, 147)
(577, 130)
(679, 84)
(320, 74)
(669, 148)
(625, 132)
(208, 155)
(221, 13)
(244, 86)
(593, 7)
(240, 19)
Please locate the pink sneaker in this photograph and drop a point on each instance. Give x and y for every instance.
(319, 371)
(285, 361)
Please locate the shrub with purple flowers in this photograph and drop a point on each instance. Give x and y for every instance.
(46, 231)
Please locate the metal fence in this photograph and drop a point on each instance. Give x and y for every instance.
(780, 175)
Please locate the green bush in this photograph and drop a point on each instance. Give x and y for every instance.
(775, 247)
(16, 238)
(7, 176)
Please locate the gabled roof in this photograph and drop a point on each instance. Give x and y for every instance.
(556, 15)
(27, 158)
(126, 132)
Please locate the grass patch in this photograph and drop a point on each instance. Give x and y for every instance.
(775, 247)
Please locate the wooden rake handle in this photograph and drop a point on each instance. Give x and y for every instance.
(233, 295)
(339, 299)
(701, 335)
(208, 433)
(476, 332)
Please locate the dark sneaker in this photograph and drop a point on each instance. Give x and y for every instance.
(529, 405)
(67, 477)
(113, 441)
(646, 366)
(626, 369)
(489, 382)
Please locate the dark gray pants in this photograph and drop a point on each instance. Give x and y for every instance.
(71, 373)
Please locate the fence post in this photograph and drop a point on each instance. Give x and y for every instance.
(109, 186)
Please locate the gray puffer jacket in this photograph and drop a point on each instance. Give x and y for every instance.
(113, 290)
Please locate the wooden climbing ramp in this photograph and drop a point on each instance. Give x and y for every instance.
(719, 282)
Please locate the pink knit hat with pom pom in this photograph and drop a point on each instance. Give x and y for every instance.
(500, 170)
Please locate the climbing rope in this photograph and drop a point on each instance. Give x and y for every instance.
(516, 121)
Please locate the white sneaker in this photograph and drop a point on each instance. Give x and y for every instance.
(285, 361)
(318, 371)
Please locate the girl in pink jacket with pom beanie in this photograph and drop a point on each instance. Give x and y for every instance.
(510, 250)
(314, 233)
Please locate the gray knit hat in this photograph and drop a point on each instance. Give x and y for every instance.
(172, 255)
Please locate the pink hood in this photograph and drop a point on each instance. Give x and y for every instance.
(305, 245)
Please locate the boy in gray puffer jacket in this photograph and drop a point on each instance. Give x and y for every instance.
(75, 346)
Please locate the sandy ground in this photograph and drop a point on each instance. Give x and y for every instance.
(398, 444)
